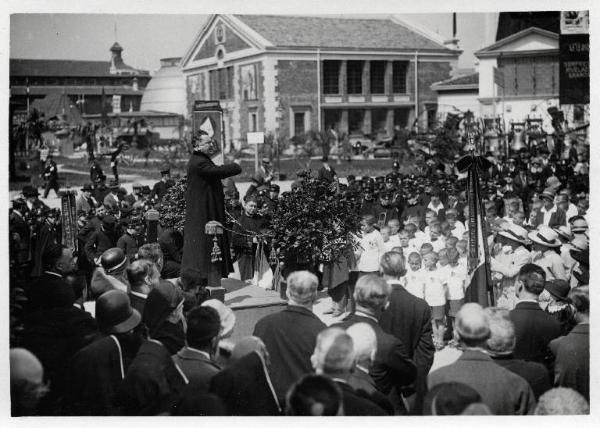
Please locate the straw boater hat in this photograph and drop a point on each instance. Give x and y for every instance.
(548, 194)
(564, 232)
(579, 225)
(515, 233)
(545, 236)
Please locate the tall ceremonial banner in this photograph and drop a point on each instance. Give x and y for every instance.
(480, 289)
(68, 219)
(208, 117)
(574, 57)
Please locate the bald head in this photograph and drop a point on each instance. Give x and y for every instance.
(302, 288)
(472, 326)
(365, 342)
(334, 352)
(24, 366)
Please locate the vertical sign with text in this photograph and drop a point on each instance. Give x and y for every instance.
(574, 57)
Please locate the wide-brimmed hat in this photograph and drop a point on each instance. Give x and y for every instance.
(114, 313)
(564, 232)
(583, 257)
(547, 194)
(579, 225)
(165, 172)
(579, 243)
(515, 233)
(545, 236)
(558, 288)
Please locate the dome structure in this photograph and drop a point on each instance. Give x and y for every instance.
(166, 91)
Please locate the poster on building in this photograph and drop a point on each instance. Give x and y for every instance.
(248, 73)
(208, 117)
(574, 68)
(116, 103)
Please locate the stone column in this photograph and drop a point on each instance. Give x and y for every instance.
(388, 77)
(343, 78)
(366, 78)
(344, 126)
(367, 125)
(389, 122)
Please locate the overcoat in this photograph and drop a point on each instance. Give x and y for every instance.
(205, 201)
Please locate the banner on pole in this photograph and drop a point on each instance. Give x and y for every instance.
(208, 117)
(574, 68)
(69, 220)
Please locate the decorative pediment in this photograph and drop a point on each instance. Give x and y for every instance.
(532, 39)
(221, 37)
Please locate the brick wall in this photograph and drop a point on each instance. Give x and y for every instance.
(296, 86)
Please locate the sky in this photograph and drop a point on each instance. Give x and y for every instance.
(147, 38)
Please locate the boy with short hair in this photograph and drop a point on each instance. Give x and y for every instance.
(413, 280)
(435, 291)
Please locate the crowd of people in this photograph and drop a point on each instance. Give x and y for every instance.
(115, 327)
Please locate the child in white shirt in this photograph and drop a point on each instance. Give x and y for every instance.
(461, 246)
(413, 280)
(435, 291)
(387, 240)
(371, 246)
(436, 238)
(394, 226)
(456, 278)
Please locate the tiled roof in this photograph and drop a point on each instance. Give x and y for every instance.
(304, 31)
(459, 81)
(56, 67)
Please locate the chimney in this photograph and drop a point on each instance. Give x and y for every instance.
(453, 42)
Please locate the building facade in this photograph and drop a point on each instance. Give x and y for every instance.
(92, 86)
(287, 75)
(517, 79)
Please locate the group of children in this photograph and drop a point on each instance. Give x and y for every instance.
(436, 259)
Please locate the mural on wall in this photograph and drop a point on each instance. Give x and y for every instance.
(249, 83)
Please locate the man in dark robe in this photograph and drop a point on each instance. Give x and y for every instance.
(205, 202)
(244, 243)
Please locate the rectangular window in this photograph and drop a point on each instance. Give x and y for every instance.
(355, 120)
(221, 83)
(252, 122)
(377, 77)
(331, 77)
(399, 72)
(299, 128)
(354, 76)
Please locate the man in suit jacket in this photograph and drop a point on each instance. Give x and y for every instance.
(504, 392)
(290, 335)
(334, 357)
(534, 328)
(202, 341)
(408, 318)
(392, 368)
(500, 347)
(550, 215)
(572, 352)
(326, 172)
(85, 202)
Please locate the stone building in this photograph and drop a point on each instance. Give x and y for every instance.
(290, 74)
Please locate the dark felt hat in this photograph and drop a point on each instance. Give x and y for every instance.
(559, 288)
(115, 314)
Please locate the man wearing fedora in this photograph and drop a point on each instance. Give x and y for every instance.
(545, 248)
(85, 202)
(111, 200)
(98, 369)
(510, 255)
(534, 328)
(161, 187)
(550, 215)
(32, 201)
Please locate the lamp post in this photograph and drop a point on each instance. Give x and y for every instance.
(279, 110)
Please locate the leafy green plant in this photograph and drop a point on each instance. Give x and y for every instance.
(172, 208)
(312, 224)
